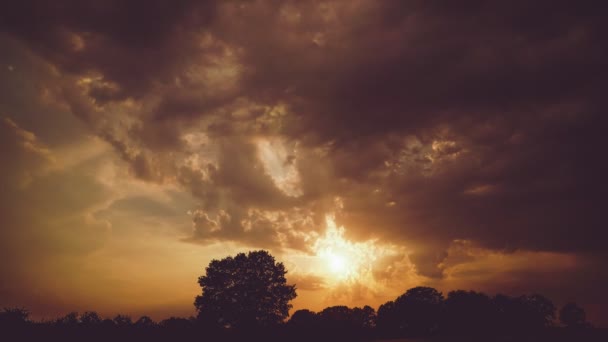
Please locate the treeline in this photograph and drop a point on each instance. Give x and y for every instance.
(425, 312)
(421, 312)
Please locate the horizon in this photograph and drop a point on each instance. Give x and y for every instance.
(370, 146)
(50, 319)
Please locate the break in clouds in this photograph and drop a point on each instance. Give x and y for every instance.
(457, 144)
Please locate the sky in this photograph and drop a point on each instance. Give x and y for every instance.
(370, 146)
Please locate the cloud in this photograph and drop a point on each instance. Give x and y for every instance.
(294, 229)
(307, 282)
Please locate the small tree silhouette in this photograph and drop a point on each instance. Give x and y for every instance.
(537, 311)
(245, 291)
(123, 321)
(572, 316)
(90, 318)
(145, 322)
(304, 319)
(14, 317)
(71, 319)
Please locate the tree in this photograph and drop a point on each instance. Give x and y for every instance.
(14, 317)
(419, 310)
(365, 317)
(90, 318)
(506, 314)
(71, 319)
(244, 291)
(388, 322)
(468, 312)
(416, 312)
(572, 315)
(305, 325)
(337, 317)
(537, 311)
(145, 322)
(304, 319)
(123, 321)
(523, 314)
(176, 323)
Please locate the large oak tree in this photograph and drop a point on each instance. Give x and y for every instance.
(245, 291)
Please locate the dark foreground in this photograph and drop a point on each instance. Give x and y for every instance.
(50, 332)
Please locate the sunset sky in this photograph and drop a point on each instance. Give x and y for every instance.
(371, 146)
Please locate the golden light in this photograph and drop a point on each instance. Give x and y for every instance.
(343, 260)
(337, 263)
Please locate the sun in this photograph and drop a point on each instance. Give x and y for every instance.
(338, 263)
(341, 260)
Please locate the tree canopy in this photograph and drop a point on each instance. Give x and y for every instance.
(572, 315)
(417, 312)
(244, 291)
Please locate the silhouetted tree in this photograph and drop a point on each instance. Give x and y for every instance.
(304, 319)
(176, 323)
(305, 325)
(90, 318)
(145, 322)
(419, 311)
(505, 310)
(71, 319)
(468, 312)
(572, 316)
(108, 324)
(123, 321)
(14, 317)
(537, 311)
(244, 291)
(388, 321)
(343, 323)
(523, 314)
(337, 317)
(365, 317)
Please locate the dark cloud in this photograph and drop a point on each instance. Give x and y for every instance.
(131, 45)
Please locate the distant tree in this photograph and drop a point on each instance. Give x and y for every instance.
(71, 319)
(304, 319)
(244, 291)
(365, 317)
(537, 311)
(572, 315)
(388, 321)
(468, 312)
(108, 324)
(176, 323)
(123, 321)
(14, 317)
(337, 317)
(145, 322)
(90, 318)
(343, 323)
(419, 311)
(506, 313)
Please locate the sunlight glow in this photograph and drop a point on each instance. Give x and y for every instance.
(344, 260)
(337, 263)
